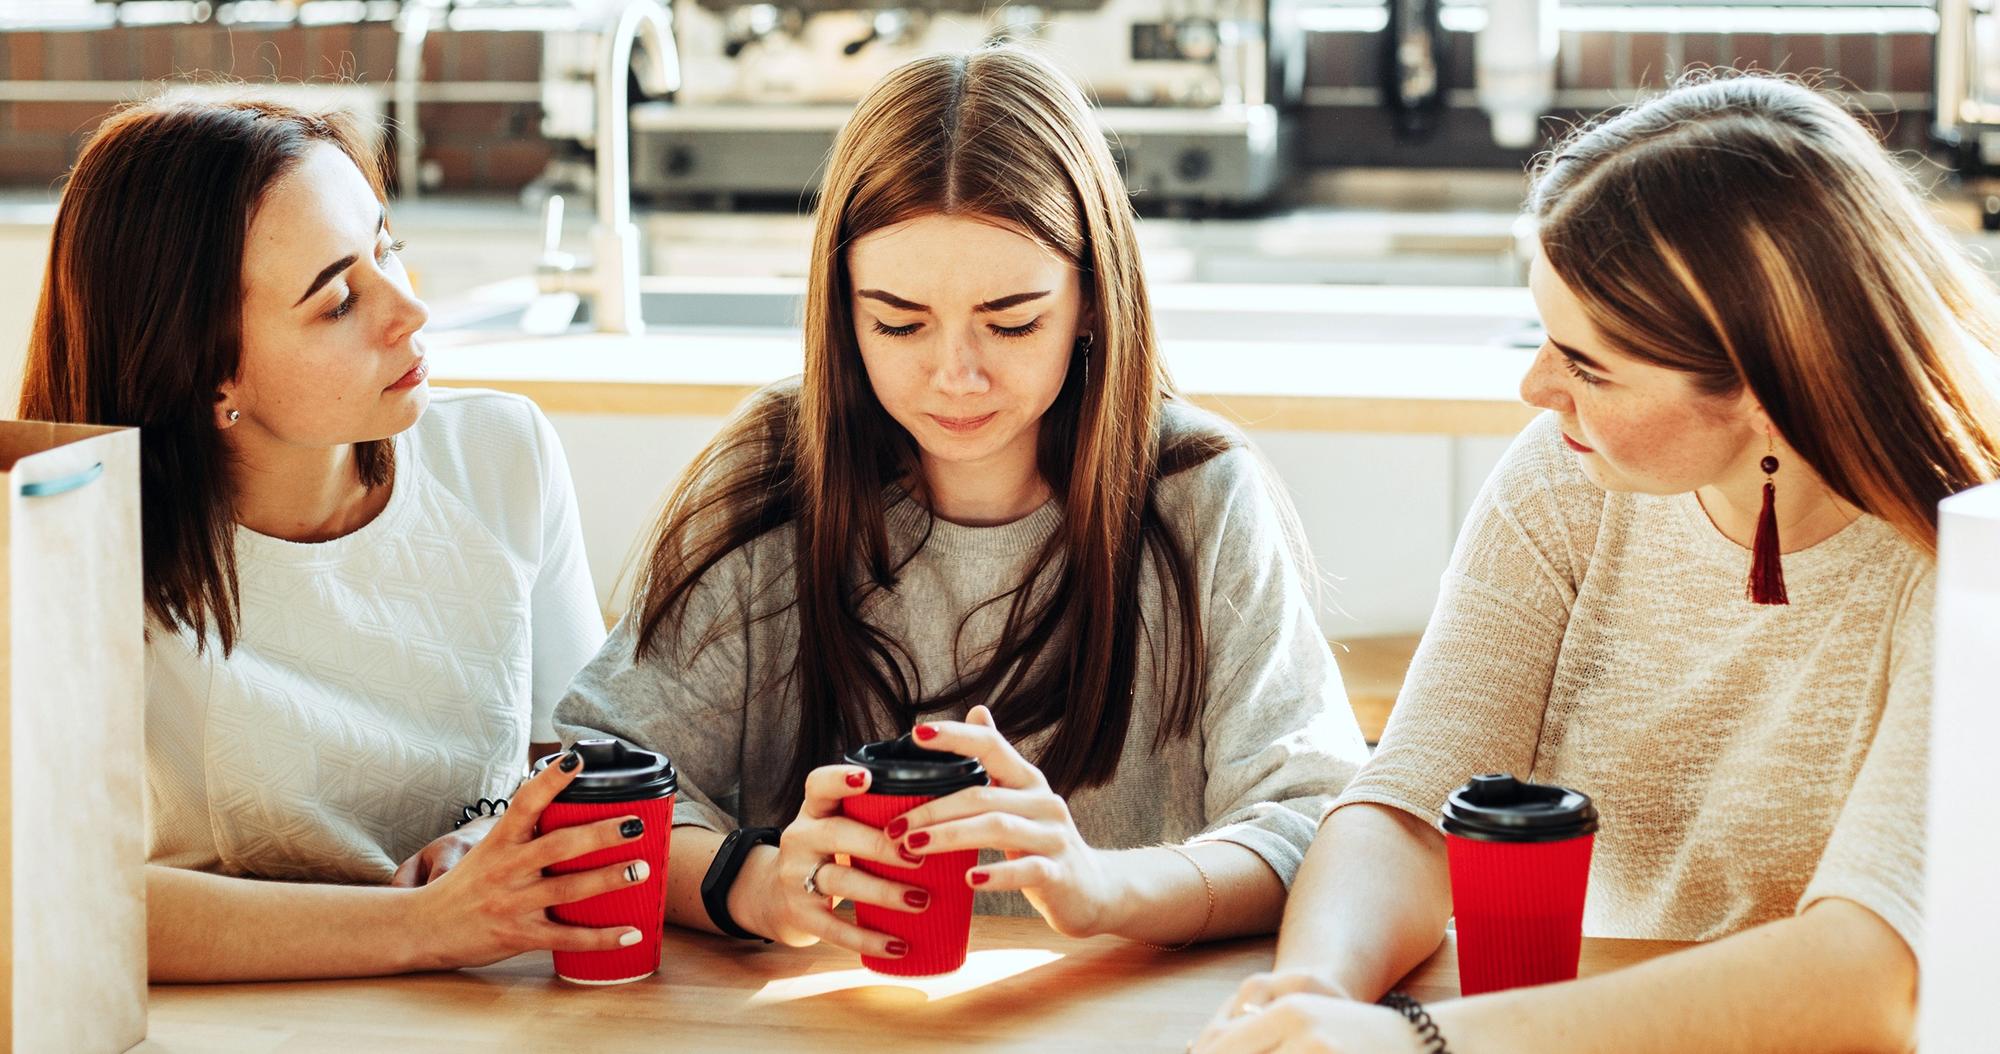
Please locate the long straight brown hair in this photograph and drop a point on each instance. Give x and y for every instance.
(1747, 230)
(141, 319)
(1001, 135)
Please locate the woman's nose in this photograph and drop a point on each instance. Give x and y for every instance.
(409, 315)
(1542, 387)
(958, 370)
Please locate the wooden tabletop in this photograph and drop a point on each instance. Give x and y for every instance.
(1023, 988)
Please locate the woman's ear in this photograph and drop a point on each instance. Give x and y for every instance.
(227, 412)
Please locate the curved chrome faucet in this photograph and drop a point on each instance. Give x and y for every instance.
(613, 283)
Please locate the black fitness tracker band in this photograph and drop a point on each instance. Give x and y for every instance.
(721, 875)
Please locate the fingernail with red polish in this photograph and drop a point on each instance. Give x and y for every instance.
(979, 877)
(909, 856)
(926, 733)
(897, 949)
(896, 828)
(920, 839)
(916, 898)
(856, 779)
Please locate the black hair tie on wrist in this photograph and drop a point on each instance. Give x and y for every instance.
(1419, 1018)
(482, 807)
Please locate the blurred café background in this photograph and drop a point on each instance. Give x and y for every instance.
(1330, 191)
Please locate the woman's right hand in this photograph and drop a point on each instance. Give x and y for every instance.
(820, 843)
(494, 903)
(1262, 990)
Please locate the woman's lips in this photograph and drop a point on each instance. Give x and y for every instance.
(413, 378)
(963, 425)
(1576, 446)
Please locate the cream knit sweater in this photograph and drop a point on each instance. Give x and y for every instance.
(1746, 760)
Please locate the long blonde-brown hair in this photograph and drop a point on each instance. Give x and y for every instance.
(1747, 230)
(997, 134)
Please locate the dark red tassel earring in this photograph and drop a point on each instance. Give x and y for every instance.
(1767, 572)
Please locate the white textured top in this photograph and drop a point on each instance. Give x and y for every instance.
(383, 679)
(1275, 741)
(1745, 760)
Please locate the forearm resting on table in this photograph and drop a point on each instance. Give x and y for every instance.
(203, 927)
(1835, 977)
(693, 849)
(1370, 903)
(1167, 896)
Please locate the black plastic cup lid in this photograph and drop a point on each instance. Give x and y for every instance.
(1500, 808)
(614, 770)
(899, 766)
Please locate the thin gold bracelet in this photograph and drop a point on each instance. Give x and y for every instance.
(1205, 919)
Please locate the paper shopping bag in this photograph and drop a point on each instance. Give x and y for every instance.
(73, 742)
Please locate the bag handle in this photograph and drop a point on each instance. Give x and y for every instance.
(62, 484)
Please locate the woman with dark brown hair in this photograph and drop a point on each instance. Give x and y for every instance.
(363, 598)
(1699, 589)
(982, 516)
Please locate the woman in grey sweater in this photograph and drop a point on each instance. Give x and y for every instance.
(981, 515)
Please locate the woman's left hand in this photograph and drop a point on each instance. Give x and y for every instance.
(1312, 1024)
(1047, 860)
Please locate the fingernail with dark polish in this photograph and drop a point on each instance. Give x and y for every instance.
(856, 779)
(896, 828)
(916, 898)
(979, 877)
(897, 949)
(570, 761)
(632, 828)
(926, 733)
(920, 839)
(909, 856)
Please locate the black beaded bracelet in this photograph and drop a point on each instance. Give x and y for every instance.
(482, 807)
(1419, 1018)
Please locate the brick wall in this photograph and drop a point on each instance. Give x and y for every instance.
(476, 145)
(496, 146)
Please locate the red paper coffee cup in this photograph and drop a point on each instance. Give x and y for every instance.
(904, 776)
(1520, 866)
(617, 780)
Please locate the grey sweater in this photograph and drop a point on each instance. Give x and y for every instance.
(1275, 742)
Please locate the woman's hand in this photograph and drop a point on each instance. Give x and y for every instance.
(1047, 860)
(1259, 991)
(430, 863)
(1303, 1023)
(819, 845)
(494, 902)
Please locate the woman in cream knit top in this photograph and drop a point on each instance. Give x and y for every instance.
(1699, 590)
(1746, 760)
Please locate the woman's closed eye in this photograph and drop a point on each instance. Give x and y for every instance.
(1022, 330)
(1580, 373)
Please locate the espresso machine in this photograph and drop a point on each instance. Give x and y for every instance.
(1194, 95)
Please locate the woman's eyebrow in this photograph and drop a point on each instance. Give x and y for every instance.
(326, 275)
(1578, 357)
(998, 304)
